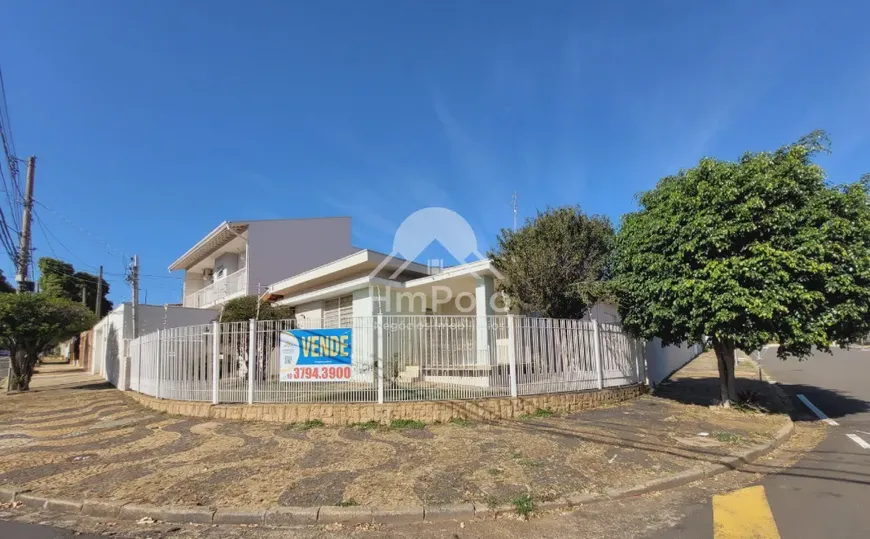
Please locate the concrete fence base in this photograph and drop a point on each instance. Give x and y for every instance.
(486, 409)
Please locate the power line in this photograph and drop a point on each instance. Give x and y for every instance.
(111, 249)
(13, 187)
(67, 249)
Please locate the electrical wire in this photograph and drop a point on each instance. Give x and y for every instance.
(45, 230)
(111, 249)
(13, 188)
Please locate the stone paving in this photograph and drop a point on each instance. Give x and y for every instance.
(78, 437)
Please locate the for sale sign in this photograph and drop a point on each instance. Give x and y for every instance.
(316, 355)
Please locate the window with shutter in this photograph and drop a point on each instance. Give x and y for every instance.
(338, 312)
(345, 315)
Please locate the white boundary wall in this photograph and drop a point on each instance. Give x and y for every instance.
(662, 362)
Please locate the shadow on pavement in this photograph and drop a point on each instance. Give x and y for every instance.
(705, 392)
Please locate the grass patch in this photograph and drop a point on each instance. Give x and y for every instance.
(524, 505)
(494, 471)
(522, 460)
(350, 502)
(461, 422)
(540, 413)
(307, 425)
(368, 425)
(400, 424)
(726, 437)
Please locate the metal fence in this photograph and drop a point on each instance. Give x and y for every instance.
(394, 358)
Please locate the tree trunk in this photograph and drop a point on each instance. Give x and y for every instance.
(18, 361)
(727, 383)
(29, 366)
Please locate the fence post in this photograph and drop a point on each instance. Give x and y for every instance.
(641, 353)
(159, 359)
(380, 336)
(512, 355)
(139, 365)
(596, 343)
(215, 351)
(252, 354)
(637, 361)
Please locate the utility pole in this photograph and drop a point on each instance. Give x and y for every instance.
(99, 303)
(134, 283)
(84, 295)
(25, 285)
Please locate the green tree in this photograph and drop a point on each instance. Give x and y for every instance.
(5, 287)
(246, 307)
(32, 323)
(56, 278)
(556, 264)
(749, 252)
(59, 279)
(89, 281)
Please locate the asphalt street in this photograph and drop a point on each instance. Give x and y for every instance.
(17, 530)
(827, 493)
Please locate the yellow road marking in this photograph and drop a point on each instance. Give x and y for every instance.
(743, 514)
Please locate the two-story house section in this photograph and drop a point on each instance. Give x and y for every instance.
(239, 258)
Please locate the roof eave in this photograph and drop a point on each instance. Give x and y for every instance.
(189, 258)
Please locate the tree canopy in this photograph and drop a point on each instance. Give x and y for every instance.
(749, 252)
(31, 323)
(556, 264)
(5, 287)
(59, 279)
(245, 308)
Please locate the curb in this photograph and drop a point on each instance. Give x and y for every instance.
(296, 516)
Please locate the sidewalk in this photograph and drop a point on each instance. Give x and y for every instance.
(80, 438)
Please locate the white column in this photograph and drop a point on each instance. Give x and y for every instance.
(379, 320)
(483, 292)
(215, 353)
(363, 337)
(252, 355)
(596, 342)
(512, 355)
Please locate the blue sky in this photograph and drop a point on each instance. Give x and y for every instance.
(153, 121)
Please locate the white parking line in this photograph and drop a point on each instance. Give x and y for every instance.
(820, 414)
(858, 440)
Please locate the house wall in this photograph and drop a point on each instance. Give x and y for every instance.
(229, 261)
(310, 311)
(281, 249)
(604, 312)
(154, 317)
(193, 282)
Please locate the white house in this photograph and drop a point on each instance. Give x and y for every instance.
(239, 258)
